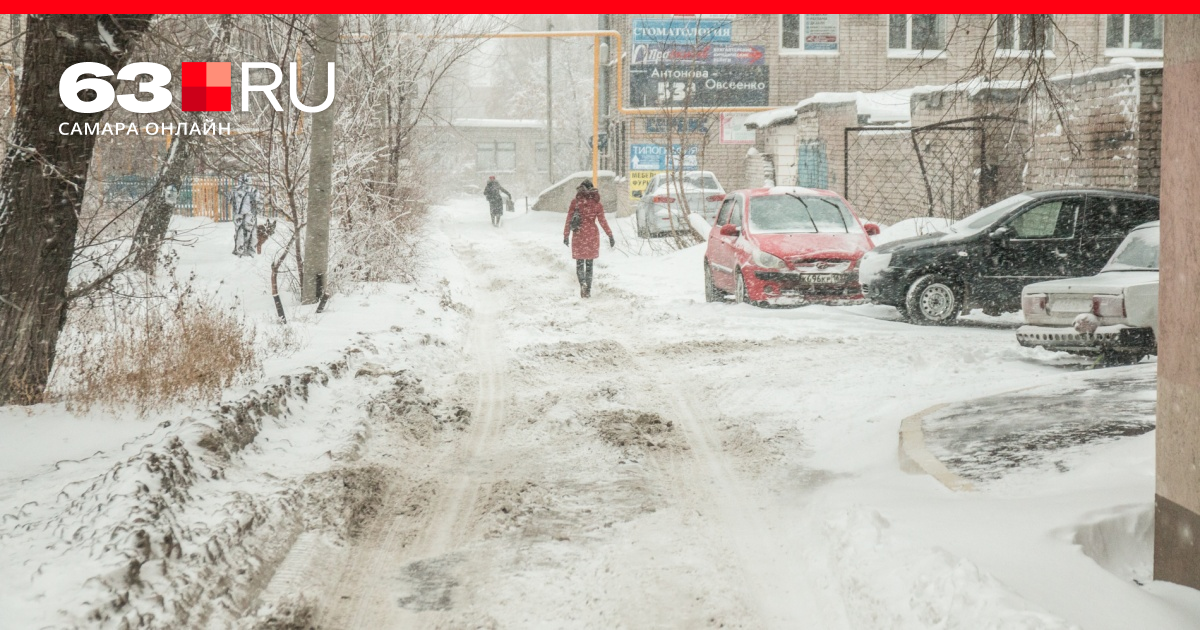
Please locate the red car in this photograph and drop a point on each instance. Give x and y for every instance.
(785, 246)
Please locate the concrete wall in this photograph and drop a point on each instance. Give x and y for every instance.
(558, 198)
(1177, 491)
(457, 145)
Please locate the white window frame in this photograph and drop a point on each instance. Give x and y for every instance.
(1020, 52)
(1127, 51)
(800, 52)
(908, 52)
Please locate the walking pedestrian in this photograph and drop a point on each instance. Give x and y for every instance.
(581, 235)
(492, 192)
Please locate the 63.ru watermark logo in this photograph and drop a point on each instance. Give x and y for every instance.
(207, 87)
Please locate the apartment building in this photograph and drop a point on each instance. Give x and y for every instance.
(688, 82)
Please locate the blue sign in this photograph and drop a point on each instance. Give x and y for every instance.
(681, 31)
(647, 157)
(654, 157)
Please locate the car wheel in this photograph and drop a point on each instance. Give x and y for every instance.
(740, 294)
(932, 300)
(711, 292)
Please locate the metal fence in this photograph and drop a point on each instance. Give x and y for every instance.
(198, 196)
(948, 169)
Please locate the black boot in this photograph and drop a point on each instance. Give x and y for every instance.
(587, 291)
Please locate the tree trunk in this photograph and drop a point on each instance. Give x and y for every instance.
(152, 225)
(320, 166)
(41, 191)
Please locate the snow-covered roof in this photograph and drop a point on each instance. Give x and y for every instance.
(771, 117)
(578, 176)
(879, 107)
(505, 123)
(978, 84)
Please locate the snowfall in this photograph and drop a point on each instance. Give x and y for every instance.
(484, 448)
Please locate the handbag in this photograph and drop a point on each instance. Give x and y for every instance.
(576, 221)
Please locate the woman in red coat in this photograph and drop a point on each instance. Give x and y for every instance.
(581, 235)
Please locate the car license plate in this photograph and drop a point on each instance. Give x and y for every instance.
(1069, 305)
(823, 278)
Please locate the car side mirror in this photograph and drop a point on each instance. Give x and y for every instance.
(1001, 233)
(871, 229)
(730, 229)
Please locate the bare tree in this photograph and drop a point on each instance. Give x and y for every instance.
(41, 191)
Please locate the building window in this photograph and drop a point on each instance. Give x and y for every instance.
(911, 35)
(496, 157)
(1022, 34)
(1133, 34)
(808, 34)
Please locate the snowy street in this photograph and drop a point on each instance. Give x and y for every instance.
(484, 448)
(454, 321)
(644, 459)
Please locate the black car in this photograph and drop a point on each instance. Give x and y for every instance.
(985, 259)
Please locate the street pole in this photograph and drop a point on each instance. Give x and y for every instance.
(320, 166)
(549, 107)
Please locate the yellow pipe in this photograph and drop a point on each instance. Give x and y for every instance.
(595, 111)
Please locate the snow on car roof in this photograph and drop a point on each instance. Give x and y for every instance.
(788, 190)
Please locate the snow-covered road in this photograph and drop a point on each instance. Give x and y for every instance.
(644, 459)
(485, 449)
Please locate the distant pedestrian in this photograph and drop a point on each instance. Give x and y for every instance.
(244, 200)
(492, 192)
(581, 235)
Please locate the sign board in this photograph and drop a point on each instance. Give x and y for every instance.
(647, 157)
(711, 54)
(699, 86)
(733, 129)
(638, 181)
(654, 157)
(821, 32)
(681, 30)
(673, 124)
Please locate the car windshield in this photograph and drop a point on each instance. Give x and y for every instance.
(988, 216)
(702, 180)
(794, 213)
(1138, 252)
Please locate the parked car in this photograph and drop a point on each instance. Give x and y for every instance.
(785, 246)
(660, 210)
(985, 259)
(1113, 313)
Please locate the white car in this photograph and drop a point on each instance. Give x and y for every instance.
(660, 211)
(1113, 314)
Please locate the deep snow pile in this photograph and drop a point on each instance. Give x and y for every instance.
(176, 519)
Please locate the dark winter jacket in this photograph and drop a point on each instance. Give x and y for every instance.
(585, 241)
(492, 191)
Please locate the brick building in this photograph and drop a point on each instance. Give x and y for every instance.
(767, 62)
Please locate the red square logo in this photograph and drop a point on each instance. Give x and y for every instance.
(207, 86)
